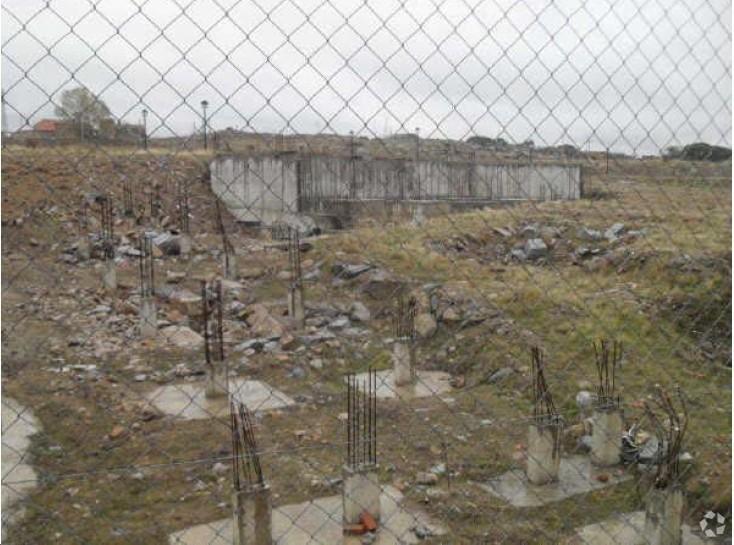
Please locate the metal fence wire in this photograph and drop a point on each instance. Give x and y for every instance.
(314, 272)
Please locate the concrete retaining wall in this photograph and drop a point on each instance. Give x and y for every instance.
(265, 188)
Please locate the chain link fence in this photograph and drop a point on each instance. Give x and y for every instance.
(366, 272)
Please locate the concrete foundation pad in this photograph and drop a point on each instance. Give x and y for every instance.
(627, 528)
(18, 424)
(427, 383)
(319, 522)
(188, 400)
(576, 476)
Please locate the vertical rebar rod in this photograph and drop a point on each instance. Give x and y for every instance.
(205, 320)
(226, 244)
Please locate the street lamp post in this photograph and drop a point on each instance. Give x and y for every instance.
(145, 129)
(204, 104)
(417, 159)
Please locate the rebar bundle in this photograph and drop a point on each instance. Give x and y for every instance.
(294, 257)
(108, 227)
(670, 428)
(182, 206)
(155, 201)
(213, 322)
(246, 469)
(147, 267)
(128, 206)
(83, 217)
(544, 411)
(404, 317)
(607, 360)
(362, 420)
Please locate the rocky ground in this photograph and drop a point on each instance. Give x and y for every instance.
(649, 264)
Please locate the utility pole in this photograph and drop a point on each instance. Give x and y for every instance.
(204, 104)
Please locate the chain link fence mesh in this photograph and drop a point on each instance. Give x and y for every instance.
(216, 202)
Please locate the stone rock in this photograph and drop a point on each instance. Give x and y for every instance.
(220, 469)
(426, 479)
(518, 254)
(185, 301)
(381, 285)
(348, 271)
(182, 336)
(614, 232)
(318, 337)
(585, 401)
(425, 325)
(117, 432)
(589, 234)
(500, 374)
(316, 363)
(502, 232)
(529, 231)
(175, 277)
(340, 323)
(451, 315)
(262, 322)
(535, 248)
(305, 225)
(170, 244)
(288, 342)
(251, 273)
(583, 444)
(359, 312)
(297, 373)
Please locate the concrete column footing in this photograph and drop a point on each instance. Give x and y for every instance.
(544, 452)
(606, 436)
(361, 493)
(253, 516)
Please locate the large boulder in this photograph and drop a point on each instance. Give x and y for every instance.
(535, 248)
(305, 225)
(182, 337)
(262, 322)
(172, 244)
(425, 325)
(359, 312)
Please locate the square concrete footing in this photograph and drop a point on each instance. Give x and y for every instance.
(217, 380)
(403, 361)
(253, 516)
(627, 529)
(296, 306)
(319, 522)
(18, 477)
(664, 516)
(109, 275)
(606, 436)
(576, 475)
(189, 401)
(544, 452)
(148, 318)
(360, 493)
(229, 266)
(427, 383)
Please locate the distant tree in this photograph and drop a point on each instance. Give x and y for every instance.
(672, 152)
(700, 151)
(85, 110)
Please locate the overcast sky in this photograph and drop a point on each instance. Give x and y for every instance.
(624, 74)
